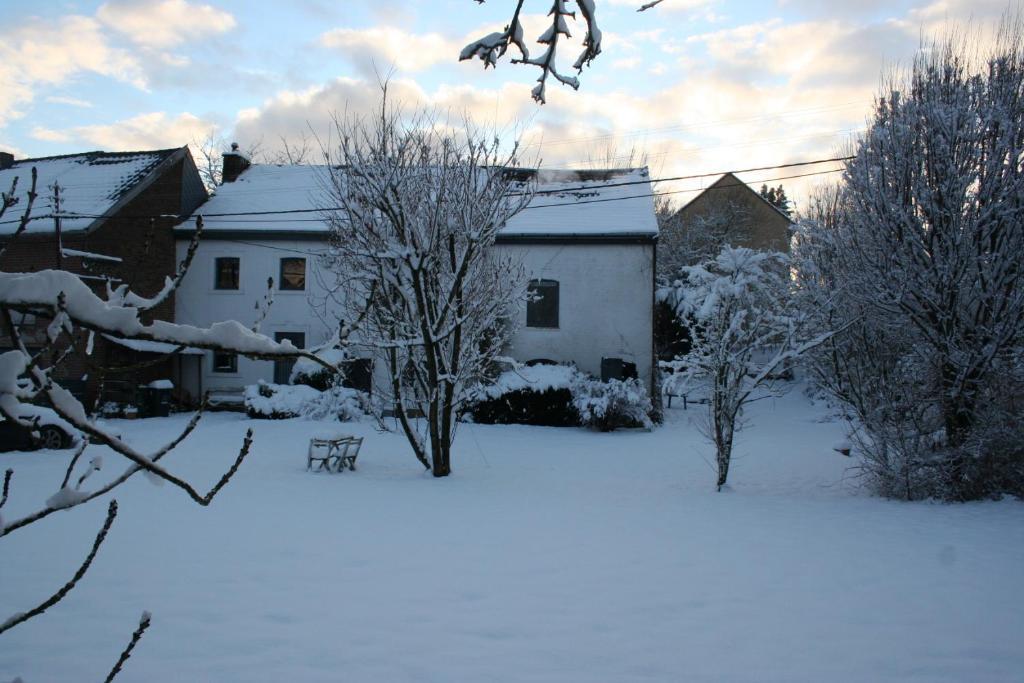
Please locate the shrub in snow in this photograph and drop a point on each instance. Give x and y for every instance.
(535, 395)
(562, 396)
(310, 373)
(283, 401)
(612, 404)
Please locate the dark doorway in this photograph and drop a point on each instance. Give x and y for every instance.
(283, 368)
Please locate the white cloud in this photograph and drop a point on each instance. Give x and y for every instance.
(154, 130)
(49, 135)
(162, 24)
(388, 45)
(70, 101)
(36, 54)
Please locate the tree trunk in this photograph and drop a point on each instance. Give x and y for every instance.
(723, 447)
(442, 462)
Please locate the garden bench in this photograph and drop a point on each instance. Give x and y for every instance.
(333, 450)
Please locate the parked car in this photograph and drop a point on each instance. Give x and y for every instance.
(52, 433)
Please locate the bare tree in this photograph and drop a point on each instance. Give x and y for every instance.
(421, 205)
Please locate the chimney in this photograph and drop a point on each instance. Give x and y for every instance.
(6, 160)
(234, 163)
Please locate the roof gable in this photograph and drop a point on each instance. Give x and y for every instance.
(729, 180)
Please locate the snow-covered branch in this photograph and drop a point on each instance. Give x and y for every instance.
(492, 47)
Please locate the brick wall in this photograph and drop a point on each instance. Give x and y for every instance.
(146, 250)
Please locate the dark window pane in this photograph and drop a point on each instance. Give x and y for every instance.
(542, 310)
(283, 367)
(293, 273)
(225, 362)
(226, 268)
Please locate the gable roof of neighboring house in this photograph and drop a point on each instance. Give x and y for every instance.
(93, 186)
(728, 180)
(283, 201)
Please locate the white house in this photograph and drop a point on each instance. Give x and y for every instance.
(587, 240)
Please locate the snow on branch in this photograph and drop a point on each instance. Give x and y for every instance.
(492, 47)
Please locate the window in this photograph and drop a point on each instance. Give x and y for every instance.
(225, 362)
(226, 269)
(293, 274)
(542, 308)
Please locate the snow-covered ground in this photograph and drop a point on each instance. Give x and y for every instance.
(550, 555)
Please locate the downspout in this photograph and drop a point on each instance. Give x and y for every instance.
(655, 389)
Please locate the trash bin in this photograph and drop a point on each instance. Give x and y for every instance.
(154, 399)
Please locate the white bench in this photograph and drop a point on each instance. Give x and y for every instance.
(333, 450)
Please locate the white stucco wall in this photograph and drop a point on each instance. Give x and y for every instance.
(605, 303)
(198, 303)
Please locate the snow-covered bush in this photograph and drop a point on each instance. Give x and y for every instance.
(340, 403)
(536, 395)
(283, 401)
(561, 396)
(612, 404)
(312, 374)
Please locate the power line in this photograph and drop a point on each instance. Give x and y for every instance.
(586, 201)
(565, 190)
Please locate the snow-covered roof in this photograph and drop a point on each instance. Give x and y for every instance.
(90, 183)
(569, 203)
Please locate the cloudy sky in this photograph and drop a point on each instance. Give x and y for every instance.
(693, 86)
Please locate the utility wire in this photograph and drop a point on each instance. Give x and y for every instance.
(566, 190)
(233, 240)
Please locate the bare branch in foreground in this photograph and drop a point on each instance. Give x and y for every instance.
(7, 485)
(136, 637)
(66, 588)
(26, 216)
(75, 501)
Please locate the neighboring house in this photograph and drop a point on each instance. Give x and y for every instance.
(108, 217)
(727, 211)
(588, 247)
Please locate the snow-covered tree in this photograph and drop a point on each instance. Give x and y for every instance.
(492, 47)
(744, 331)
(421, 203)
(29, 373)
(921, 245)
